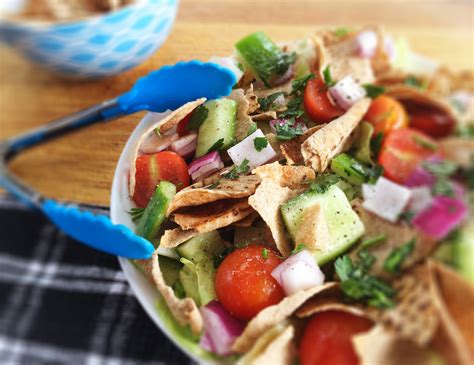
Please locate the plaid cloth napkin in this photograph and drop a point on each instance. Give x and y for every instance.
(63, 303)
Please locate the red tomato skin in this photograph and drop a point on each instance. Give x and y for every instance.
(182, 128)
(327, 338)
(386, 114)
(433, 123)
(151, 169)
(317, 103)
(402, 153)
(244, 284)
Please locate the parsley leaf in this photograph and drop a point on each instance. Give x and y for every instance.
(136, 214)
(358, 284)
(414, 82)
(298, 85)
(373, 241)
(217, 146)
(265, 253)
(341, 31)
(322, 182)
(441, 170)
(198, 117)
(376, 144)
(395, 259)
(237, 170)
(260, 143)
(373, 90)
(294, 104)
(297, 249)
(327, 77)
(289, 130)
(267, 103)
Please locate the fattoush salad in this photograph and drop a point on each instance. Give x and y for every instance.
(322, 212)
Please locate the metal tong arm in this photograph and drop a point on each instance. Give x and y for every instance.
(13, 146)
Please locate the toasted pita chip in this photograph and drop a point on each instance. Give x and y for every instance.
(252, 100)
(458, 150)
(201, 193)
(415, 316)
(174, 237)
(379, 346)
(291, 150)
(270, 316)
(327, 142)
(211, 216)
(244, 122)
(445, 81)
(287, 176)
(267, 201)
(185, 310)
(280, 351)
(454, 299)
(396, 236)
(164, 125)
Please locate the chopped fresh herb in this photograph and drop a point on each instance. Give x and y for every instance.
(214, 185)
(443, 186)
(136, 214)
(376, 144)
(267, 103)
(237, 170)
(407, 216)
(265, 253)
(441, 170)
(394, 261)
(217, 146)
(322, 182)
(374, 240)
(414, 82)
(374, 173)
(422, 142)
(260, 143)
(293, 106)
(358, 284)
(198, 116)
(373, 90)
(289, 130)
(327, 77)
(341, 31)
(298, 85)
(298, 248)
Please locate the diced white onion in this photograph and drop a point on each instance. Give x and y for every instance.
(346, 92)
(298, 272)
(421, 199)
(154, 143)
(387, 199)
(229, 63)
(366, 44)
(245, 150)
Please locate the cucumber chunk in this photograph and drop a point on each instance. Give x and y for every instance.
(217, 130)
(155, 212)
(344, 225)
(349, 169)
(202, 247)
(170, 269)
(262, 57)
(188, 279)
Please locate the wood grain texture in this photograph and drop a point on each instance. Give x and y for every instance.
(80, 167)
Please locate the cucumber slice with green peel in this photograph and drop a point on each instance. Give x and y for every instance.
(188, 279)
(217, 130)
(170, 269)
(349, 169)
(202, 247)
(155, 212)
(262, 57)
(344, 225)
(206, 274)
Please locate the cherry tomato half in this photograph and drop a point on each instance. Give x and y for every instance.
(151, 169)
(317, 103)
(327, 338)
(403, 150)
(244, 284)
(433, 122)
(386, 114)
(182, 128)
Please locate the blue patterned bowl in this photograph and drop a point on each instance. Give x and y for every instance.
(97, 46)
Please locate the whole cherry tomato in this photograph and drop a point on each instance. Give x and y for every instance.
(386, 114)
(317, 103)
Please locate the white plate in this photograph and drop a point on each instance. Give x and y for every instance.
(120, 205)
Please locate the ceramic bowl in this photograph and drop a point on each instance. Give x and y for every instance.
(96, 46)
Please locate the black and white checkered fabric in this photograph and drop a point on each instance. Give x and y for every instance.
(63, 303)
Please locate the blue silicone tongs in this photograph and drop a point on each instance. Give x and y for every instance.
(163, 89)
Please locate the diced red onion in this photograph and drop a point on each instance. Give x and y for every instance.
(154, 143)
(204, 160)
(206, 343)
(282, 122)
(366, 44)
(220, 328)
(346, 92)
(245, 150)
(229, 63)
(386, 199)
(420, 177)
(444, 215)
(185, 145)
(207, 170)
(283, 78)
(298, 272)
(421, 199)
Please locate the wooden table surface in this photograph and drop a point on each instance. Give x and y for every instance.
(80, 168)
